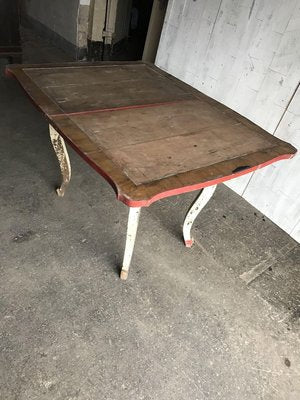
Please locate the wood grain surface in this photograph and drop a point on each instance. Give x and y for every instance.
(150, 135)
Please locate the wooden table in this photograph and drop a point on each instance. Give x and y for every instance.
(10, 41)
(148, 134)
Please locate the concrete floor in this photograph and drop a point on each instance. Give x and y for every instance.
(218, 321)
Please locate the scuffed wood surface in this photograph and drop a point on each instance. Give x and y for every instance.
(146, 132)
(76, 89)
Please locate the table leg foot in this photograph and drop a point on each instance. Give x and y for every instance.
(124, 275)
(63, 159)
(189, 243)
(60, 191)
(193, 212)
(133, 221)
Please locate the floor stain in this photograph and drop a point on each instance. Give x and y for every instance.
(24, 236)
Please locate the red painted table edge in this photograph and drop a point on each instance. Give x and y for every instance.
(187, 189)
(172, 192)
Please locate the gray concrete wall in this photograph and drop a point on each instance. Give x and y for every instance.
(65, 23)
(245, 54)
(59, 16)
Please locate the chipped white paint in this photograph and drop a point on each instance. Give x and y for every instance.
(245, 54)
(63, 159)
(194, 211)
(133, 221)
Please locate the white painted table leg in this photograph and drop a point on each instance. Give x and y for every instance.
(63, 159)
(133, 221)
(193, 212)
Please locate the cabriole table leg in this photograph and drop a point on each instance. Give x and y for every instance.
(63, 159)
(197, 206)
(133, 221)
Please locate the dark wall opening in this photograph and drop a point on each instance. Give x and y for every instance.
(132, 48)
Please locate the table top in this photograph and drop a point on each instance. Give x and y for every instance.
(149, 134)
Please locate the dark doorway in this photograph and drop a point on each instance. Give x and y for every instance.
(133, 47)
(10, 42)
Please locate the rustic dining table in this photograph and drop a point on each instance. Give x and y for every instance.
(147, 133)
